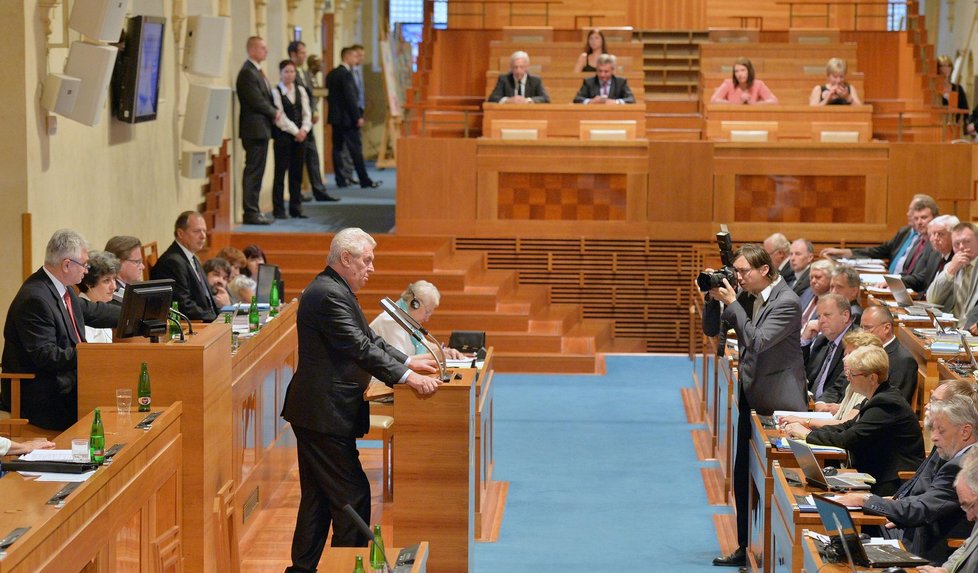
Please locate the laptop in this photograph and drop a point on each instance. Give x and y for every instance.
(903, 298)
(813, 472)
(835, 517)
(263, 288)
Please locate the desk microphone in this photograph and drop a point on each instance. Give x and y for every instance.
(362, 525)
(190, 326)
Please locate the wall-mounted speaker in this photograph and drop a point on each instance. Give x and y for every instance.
(205, 48)
(193, 164)
(99, 19)
(60, 93)
(207, 111)
(92, 64)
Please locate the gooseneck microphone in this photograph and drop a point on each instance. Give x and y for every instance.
(362, 525)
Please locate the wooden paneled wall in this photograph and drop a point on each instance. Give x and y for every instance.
(667, 14)
(566, 14)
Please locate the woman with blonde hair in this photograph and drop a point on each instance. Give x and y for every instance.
(836, 90)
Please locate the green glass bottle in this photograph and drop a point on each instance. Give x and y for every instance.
(229, 320)
(144, 394)
(273, 301)
(358, 568)
(253, 322)
(96, 441)
(377, 551)
(175, 329)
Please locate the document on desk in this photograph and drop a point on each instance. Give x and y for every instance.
(52, 456)
(873, 279)
(778, 414)
(462, 363)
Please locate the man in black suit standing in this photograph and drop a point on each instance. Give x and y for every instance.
(338, 353)
(605, 87)
(304, 80)
(518, 86)
(179, 262)
(257, 114)
(346, 117)
(45, 322)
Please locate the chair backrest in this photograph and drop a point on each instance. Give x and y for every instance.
(10, 422)
(150, 256)
(610, 130)
(518, 129)
(749, 131)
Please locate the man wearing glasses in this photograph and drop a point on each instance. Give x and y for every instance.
(45, 321)
(129, 251)
(767, 319)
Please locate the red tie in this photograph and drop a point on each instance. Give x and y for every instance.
(807, 315)
(71, 315)
(908, 266)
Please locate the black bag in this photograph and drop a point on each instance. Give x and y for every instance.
(468, 341)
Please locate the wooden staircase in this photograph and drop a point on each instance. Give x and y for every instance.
(670, 62)
(529, 333)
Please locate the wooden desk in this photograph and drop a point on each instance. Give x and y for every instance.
(762, 459)
(564, 118)
(120, 519)
(813, 562)
(927, 362)
(794, 121)
(563, 86)
(787, 523)
(342, 559)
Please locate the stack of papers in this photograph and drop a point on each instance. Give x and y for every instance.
(778, 414)
(53, 456)
(873, 279)
(865, 265)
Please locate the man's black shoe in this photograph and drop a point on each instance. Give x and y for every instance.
(306, 198)
(372, 185)
(298, 215)
(256, 219)
(736, 559)
(323, 196)
(280, 215)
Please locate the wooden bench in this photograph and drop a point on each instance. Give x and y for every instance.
(776, 57)
(794, 122)
(563, 86)
(790, 88)
(563, 120)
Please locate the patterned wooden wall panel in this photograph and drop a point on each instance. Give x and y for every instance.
(562, 196)
(800, 198)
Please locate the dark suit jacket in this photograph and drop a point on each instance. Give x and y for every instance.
(924, 271)
(888, 249)
(772, 370)
(787, 274)
(189, 294)
(344, 105)
(39, 339)
(903, 370)
(257, 111)
(802, 282)
(591, 89)
(506, 87)
(835, 381)
(882, 440)
(926, 508)
(304, 79)
(338, 353)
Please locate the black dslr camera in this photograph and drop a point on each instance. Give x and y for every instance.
(707, 281)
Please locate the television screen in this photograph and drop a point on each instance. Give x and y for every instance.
(136, 83)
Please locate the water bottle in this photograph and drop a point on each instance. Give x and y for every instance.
(96, 441)
(273, 300)
(144, 395)
(358, 568)
(175, 329)
(253, 321)
(377, 561)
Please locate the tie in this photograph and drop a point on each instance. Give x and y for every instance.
(201, 278)
(809, 311)
(71, 315)
(824, 370)
(604, 89)
(358, 78)
(902, 253)
(914, 255)
(962, 292)
(519, 88)
(268, 85)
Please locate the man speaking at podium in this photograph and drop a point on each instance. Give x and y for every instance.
(338, 353)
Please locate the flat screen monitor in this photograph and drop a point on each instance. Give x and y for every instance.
(136, 81)
(145, 309)
(263, 285)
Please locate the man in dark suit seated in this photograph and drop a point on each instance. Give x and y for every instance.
(845, 282)
(766, 318)
(800, 257)
(903, 367)
(778, 247)
(941, 251)
(129, 251)
(338, 353)
(257, 113)
(908, 248)
(45, 321)
(180, 263)
(518, 86)
(605, 86)
(823, 352)
(926, 508)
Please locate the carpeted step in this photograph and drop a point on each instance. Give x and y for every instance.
(545, 362)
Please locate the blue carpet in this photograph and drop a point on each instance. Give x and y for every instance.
(370, 209)
(602, 473)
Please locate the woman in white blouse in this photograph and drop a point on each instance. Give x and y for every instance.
(289, 133)
(419, 299)
(99, 286)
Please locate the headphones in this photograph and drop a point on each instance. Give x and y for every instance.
(414, 303)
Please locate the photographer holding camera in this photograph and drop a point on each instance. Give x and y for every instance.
(766, 316)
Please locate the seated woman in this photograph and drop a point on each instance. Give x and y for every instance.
(99, 286)
(419, 299)
(235, 258)
(593, 48)
(835, 91)
(254, 256)
(885, 437)
(241, 289)
(743, 87)
(944, 68)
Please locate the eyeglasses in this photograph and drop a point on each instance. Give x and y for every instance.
(137, 262)
(85, 266)
(743, 272)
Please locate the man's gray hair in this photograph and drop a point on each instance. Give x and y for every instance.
(850, 273)
(352, 240)
(957, 410)
(64, 244)
(519, 55)
(607, 59)
(823, 265)
(779, 242)
(840, 302)
(946, 221)
(422, 290)
(969, 470)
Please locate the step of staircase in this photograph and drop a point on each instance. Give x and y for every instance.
(673, 121)
(674, 134)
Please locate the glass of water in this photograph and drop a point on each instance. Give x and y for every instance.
(123, 399)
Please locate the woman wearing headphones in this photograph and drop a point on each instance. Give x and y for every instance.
(419, 299)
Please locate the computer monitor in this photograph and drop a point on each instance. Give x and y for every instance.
(145, 309)
(263, 285)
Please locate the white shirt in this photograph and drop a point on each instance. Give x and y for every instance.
(96, 335)
(385, 327)
(4, 446)
(286, 124)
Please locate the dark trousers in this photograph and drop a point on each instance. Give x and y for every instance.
(330, 476)
(256, 153)
(313, 166)
(290, 156)
(349, 138)
(741, 473)
(346, 167)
